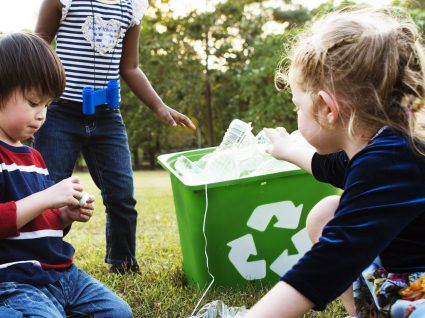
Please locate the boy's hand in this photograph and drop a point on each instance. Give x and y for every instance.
(68, 192)
(77, 213)
(281, 142)
(64, 195)
(174, 118)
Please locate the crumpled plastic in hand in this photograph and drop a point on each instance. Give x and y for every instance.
(218, 309)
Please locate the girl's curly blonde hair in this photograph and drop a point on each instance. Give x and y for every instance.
(372, 61)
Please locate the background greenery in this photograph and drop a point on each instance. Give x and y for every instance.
(217, 66)
(160, 290)
(214, 67)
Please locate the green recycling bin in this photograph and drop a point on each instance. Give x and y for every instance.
(254, 229)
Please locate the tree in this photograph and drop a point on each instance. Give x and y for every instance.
(173, 68)
(267, 107)
(217, 32)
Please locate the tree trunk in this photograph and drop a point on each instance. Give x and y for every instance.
(153, 151)
(152, 158)
(208, 103)
(136, 158)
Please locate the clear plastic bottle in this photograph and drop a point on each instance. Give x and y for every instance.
(188, 170)
(235, 136)
(221, 165)
(299, 139)
(218, 309)
(262, 138)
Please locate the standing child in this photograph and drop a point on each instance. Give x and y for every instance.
(358, 83)
(37, 275)
(97, 41)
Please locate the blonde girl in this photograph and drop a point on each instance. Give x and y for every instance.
(357, 79)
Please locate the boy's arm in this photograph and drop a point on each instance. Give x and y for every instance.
(48, 19)
(140, 85)
(14, 215)
(65, 193)
(282, 301)
(30, 207)
(80, 213)
(8, 220)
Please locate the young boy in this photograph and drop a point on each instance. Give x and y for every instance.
(37, 275)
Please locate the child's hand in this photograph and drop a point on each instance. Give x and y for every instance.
(65, 193)
(77, 213)
(281, 142)
(174, 118)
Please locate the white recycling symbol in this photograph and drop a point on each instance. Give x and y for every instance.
(288, 216)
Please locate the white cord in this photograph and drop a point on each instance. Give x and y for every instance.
(205, 251)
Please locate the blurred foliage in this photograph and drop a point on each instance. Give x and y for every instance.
(218, 65)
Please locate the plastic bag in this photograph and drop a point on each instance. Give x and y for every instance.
(218, 309)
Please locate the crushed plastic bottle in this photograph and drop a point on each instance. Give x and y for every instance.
(247, 165)
(188, 170)
(222, 165)
(272, 165)
(218, 309)
(299, 139)
(183, 165)
(263, 141)
(239, 155)
(237, 135)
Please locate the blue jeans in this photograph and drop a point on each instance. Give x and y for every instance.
(398, 310)
(102, 139)
(76, 294)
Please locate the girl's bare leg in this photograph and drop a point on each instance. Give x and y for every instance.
(318, 217)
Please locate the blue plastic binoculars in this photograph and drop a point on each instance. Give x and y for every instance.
(93, 98)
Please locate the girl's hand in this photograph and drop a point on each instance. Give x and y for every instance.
(174, 118)
(65, 193)
(281, 142)
(77, 213)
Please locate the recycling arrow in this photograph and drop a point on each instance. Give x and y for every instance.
(287, 214)
(240, 251)
(285, 262)
(288, 217)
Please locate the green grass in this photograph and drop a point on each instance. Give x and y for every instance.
(160, 290)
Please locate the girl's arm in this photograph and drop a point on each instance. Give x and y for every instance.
(140, 85)
(285, 148)
(48, 19)
(133, 75)
(282, 301)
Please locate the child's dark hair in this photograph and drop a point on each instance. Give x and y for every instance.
(28, 63)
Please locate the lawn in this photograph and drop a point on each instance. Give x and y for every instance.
(160, 291)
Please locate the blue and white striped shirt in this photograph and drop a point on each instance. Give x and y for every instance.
(91, 55)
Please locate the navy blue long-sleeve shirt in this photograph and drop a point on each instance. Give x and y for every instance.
(36, 253)
(381, 213)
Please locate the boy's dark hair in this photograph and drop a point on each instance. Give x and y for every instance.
(27, 63)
